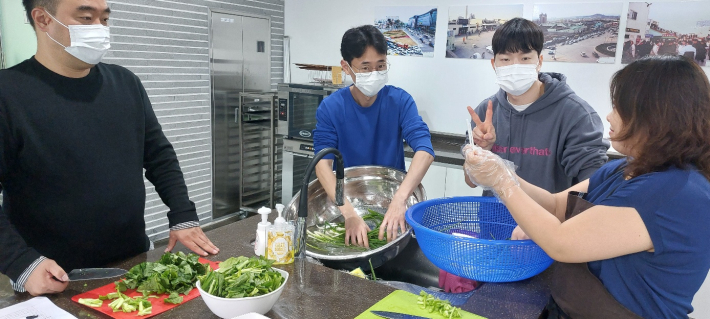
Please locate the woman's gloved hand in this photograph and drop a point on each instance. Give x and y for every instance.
(489, 171)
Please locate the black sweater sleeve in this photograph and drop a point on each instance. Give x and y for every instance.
(15, 255)
(163, 170)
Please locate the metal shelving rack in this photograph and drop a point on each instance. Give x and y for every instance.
(261, 159)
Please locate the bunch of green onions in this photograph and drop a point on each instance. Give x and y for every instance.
(333, 234)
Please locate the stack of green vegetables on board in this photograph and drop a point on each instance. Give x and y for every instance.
(239, 277)
(436, 305)
(173, 273)
(122, 303)
(333, 234)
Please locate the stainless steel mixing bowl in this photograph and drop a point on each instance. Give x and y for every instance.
(366, 187)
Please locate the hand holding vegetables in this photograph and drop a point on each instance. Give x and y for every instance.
(356, 232)
(489, 171)
(334, 234)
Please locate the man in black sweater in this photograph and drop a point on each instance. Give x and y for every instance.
(75, 136)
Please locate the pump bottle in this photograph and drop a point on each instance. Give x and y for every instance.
(262, 230)
(280, 239)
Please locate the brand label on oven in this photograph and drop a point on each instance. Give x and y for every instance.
(304, 133)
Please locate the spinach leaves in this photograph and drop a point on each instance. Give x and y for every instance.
(173, 273)
(239, 277)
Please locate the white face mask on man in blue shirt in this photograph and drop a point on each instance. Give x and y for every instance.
(370, 83)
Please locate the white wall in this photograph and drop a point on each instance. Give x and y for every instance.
(441, 87)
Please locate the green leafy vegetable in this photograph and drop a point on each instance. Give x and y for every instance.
(436, 305)
(239, 277)
(173, 273)
(91, 302)
(372, 269)
(333, 234)
(174, 298)
(123, 303)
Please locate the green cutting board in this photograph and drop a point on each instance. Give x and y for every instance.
(406, 302)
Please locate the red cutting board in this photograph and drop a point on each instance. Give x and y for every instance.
(158, 305)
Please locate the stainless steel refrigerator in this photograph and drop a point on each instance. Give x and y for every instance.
(240, 61)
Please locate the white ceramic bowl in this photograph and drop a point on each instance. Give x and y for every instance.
(233, 307)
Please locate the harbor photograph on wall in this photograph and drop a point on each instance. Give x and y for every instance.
(667, 28)
(409, 31)
(579, 32)
(470, 29)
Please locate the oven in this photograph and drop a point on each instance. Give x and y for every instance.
(297, 120)
(297, 109)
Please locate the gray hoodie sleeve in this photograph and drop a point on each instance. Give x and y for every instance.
(585, 149)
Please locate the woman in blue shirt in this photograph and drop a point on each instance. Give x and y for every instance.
(633, 240)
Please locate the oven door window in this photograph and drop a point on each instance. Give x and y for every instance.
(303, 114)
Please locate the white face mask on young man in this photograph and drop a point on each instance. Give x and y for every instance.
(370, 83)
(89, 43)
(516, 79)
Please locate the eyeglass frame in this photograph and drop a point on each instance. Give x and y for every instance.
(366, 74)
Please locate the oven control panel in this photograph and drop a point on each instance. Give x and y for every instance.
(283, 106)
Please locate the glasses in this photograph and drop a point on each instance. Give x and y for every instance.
(367, 69)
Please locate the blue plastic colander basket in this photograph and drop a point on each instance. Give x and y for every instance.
(490, 257)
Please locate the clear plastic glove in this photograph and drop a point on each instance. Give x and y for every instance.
(489, 171)
(356, 231)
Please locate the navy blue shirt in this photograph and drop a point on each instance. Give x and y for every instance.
(371, 135)
(675, 207)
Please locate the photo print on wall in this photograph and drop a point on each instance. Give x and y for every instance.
(409, 31)
(579, 32)
(470, 29)
(667, 28)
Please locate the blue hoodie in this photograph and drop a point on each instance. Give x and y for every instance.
(556, 142)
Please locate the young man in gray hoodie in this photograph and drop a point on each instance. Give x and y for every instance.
(535, 120)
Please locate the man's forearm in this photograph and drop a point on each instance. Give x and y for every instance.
(420, 164)
(556, 203)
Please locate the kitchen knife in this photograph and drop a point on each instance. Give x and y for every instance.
(95, 273)
(395, 315)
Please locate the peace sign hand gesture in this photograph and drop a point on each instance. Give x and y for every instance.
(484, 134)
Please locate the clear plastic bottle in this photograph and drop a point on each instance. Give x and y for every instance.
(262, 230)
(280, 240)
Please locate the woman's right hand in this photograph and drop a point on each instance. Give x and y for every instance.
(356, 231)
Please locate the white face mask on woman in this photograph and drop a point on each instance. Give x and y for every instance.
(370, 83)
(89, 43)
(516, 79)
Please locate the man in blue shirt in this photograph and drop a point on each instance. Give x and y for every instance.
(367, 122)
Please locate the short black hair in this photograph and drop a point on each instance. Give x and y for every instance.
(357, 39)
(518, 35)
(50, 5)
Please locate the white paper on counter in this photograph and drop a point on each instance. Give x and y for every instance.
(41, 307)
